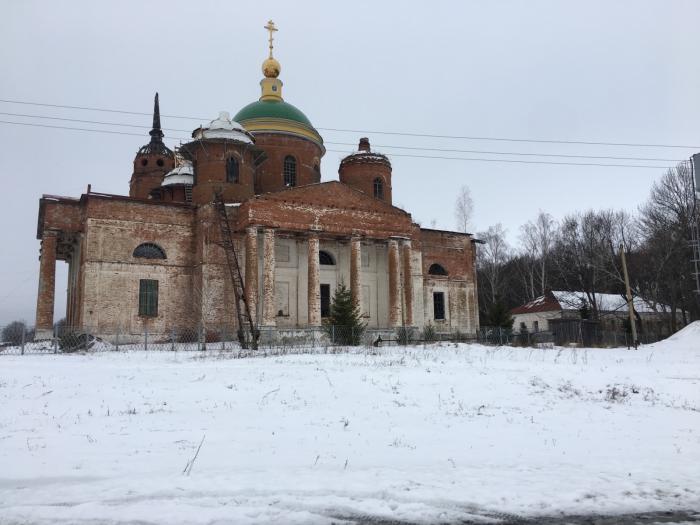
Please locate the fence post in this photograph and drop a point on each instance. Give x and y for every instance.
(24, 335)
(200, 343)
(55, 344)
(116, 339)
(145, 336)
(332, 334)
(172, 339)
(500, 336)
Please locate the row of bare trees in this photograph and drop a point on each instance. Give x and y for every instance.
(581, 253)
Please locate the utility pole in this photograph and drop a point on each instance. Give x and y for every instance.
(695, 221)
(630, 302)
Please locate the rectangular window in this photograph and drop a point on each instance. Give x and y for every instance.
(536, 326)
(325, 300)
(439, 305)
(148, 297)
(232, 170)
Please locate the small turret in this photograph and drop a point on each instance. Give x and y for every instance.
(367, 171)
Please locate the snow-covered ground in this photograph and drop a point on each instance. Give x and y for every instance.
(419, 434)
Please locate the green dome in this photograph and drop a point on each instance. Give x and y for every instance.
(271, 109)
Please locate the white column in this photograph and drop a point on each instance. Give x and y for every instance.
(407, 281)
(269, 314)
(355, 267)
(314, 290)
(251, 271)
(394, 284)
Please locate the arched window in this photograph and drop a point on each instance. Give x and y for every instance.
(290, 171)
(437, 269)
(325, 258)
(232, 170)
(148, 250)
(378, 188)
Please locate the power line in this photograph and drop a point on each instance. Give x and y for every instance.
(413, 148)
(443, 150)
(537, 141)
(46, 117)
(516, 161)
(70, 128)
(377, 132)
(84, 108)
(341, 151)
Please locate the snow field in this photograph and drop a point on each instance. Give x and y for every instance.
(421, 434)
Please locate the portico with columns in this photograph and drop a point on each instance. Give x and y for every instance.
(301, 260)
(295, 266)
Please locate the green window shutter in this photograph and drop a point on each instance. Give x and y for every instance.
(148, 297)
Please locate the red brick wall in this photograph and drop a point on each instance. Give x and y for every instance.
(209, 158)
(361, 175)
(454, 252)
(330, 207)
(277, 146)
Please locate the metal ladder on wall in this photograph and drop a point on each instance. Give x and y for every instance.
(248, 334)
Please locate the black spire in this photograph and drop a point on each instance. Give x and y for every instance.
(156, 145)
(156, 133)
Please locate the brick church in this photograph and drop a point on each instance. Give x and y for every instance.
(154, 259)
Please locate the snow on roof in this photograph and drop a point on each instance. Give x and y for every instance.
(607, 302)
(183, 174)
(224, 128)
(544, 303)
(367, 155)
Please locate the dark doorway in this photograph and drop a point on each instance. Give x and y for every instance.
(325, 300)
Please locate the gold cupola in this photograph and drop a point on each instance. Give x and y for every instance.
(271, 85)
(270, 113)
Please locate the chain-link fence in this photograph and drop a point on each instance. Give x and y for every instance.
(18, 339)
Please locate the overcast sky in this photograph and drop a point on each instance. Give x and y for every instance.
(595, 71)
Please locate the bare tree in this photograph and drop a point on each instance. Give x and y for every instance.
(537, 240)
(666, 220)
(464, 209)
(491, 258)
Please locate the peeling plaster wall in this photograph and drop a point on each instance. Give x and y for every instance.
(455, 252)
(111, 274)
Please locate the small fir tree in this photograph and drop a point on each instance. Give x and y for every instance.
(344, 325)
(499, 316)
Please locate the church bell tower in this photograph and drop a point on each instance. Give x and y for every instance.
(152, 161)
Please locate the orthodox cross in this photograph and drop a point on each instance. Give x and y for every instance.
(271, 28)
